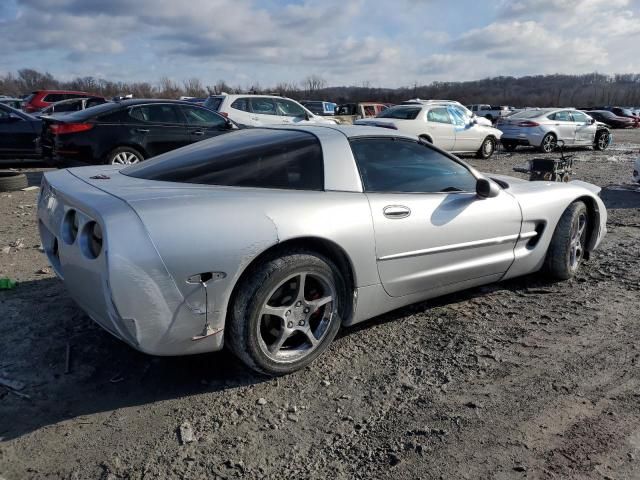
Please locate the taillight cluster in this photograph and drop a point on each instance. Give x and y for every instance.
(528, 123)
(89, 237)
(66, 128)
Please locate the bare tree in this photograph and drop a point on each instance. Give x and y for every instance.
(193, 88)
(313, 83)
(168, 88)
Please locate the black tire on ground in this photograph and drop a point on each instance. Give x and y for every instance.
(123, 156)
(10, 181)
(566, 249)
(248, 325)
(487, 148)
(601, 141)
(509, 146)
(548, 143)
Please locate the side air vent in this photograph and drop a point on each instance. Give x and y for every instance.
(539, 231)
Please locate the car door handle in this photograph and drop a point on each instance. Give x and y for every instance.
(396, 211)
(142, 130)
(198, 132)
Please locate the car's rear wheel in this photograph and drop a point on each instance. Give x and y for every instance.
(124, 156)
(567, 246)
(602, 140)
(286, 312)
(487, 148)
(10, 180)
(549, 143)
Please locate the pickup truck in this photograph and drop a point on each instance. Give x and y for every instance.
(490, 112)
(347, 113)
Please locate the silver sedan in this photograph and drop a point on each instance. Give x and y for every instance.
(269, 240)
(544, 127)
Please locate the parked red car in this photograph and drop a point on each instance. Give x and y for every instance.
(43, 98)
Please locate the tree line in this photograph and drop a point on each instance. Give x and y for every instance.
(587, 90)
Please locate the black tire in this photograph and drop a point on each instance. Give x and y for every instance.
(10, 181)
(119, 155)
(487, 148)
(510, 146)
(601, 141)
(549, 143)
(564, 254)
(246, 330)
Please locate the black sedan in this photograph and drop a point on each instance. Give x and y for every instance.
(18, 134)
(129, 131)
(611, 119)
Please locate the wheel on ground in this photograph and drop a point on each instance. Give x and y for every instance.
(487, 148)
(549, 143)
(124, 156)
(566, 249)
(510, 146)
(286, 312)
(10, 181)
(602, 140)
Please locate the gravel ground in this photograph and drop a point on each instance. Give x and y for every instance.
(521, 379)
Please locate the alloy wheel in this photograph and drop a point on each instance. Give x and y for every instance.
(125, 158)
(296, 316)
(548, 144)
(576, 247)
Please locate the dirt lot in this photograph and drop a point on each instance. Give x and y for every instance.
(522, 379)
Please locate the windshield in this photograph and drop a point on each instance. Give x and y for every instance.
(401, 113)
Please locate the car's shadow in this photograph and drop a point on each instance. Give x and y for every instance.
(47, 334)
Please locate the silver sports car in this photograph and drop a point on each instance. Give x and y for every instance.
(269, 239)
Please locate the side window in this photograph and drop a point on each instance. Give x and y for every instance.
(459, 117)
(579, 117)
(203, 117)
(288, 108)
(241, 104)
(563, 116)
(53, 97)
(263, 106)
(4, 113)
(389, 165)
(93, 102)
(438, 115)
(114, 117)
(155, 114)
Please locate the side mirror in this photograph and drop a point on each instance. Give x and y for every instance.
(485, 188)
(592, 121)
(306, 116)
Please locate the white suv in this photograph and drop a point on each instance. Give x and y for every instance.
(263, 110)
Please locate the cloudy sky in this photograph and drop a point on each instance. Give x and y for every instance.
(381, 42)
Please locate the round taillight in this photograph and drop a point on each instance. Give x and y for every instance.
(70, 226)
(92, 239)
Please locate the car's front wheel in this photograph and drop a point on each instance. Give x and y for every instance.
(602, 140)
(286, 312)
(124, 156)
(567, 246)
(487, 148)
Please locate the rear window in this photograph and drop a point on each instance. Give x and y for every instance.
(213, 103)
(401, 113)
(241, 104)
(262, 158)
(528, 114)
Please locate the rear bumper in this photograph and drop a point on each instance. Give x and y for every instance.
(126, 289)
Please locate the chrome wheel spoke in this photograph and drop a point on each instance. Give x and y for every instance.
(312, 338)
(314, 305)
(301, 285)
(280, 312)
(275, 347)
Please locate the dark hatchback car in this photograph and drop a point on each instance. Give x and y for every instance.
(18, 134)
(127, 132)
